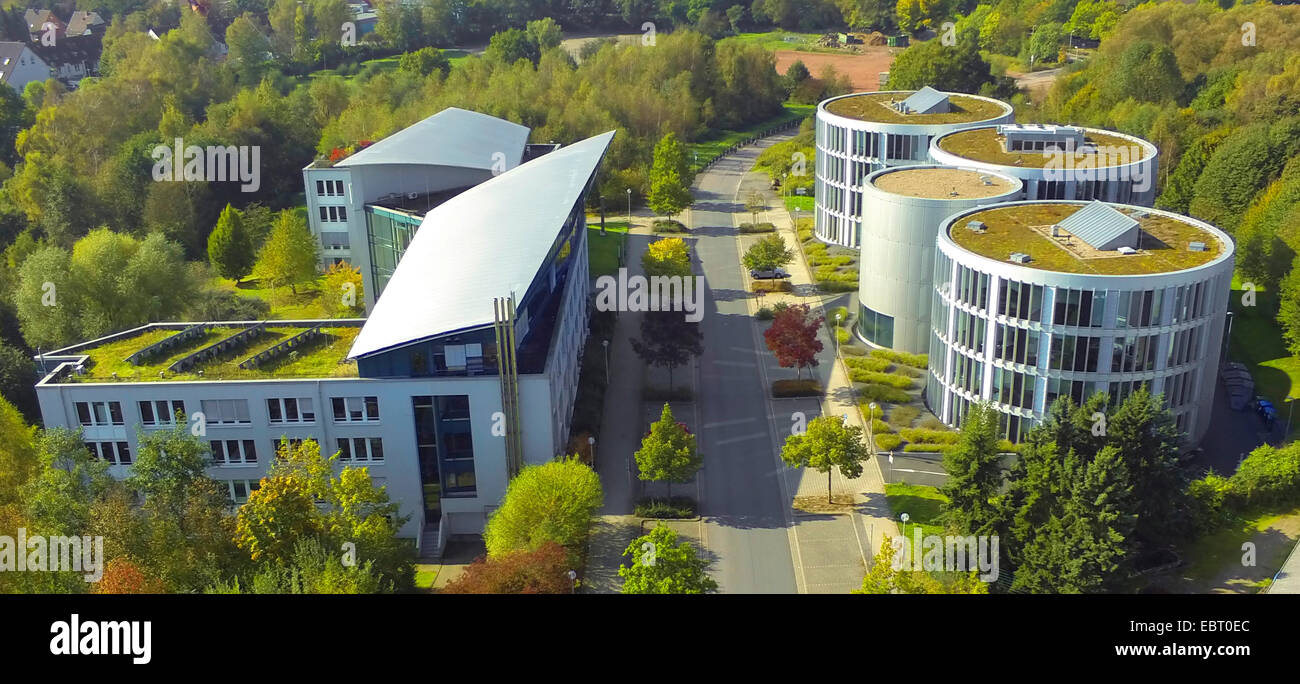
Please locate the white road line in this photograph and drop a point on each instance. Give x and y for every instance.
(733, 440)
(724, 423)
(923, 472)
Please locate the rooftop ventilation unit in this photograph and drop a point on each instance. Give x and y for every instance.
(1197, 246)
(1126, 250)
(1056, 230)
(1139, 214)
(976, 226)
(1020, 257)
(80, 369)
(987, 180)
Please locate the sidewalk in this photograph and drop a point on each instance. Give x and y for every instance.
(872, 514)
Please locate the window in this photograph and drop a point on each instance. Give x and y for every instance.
(116, 453)
(333, 214)
(233, 452)
(99, 413)
(238, 490)
(291, 410)
(355, 409)
(361, 450)
(160, 412)
(226, 411)
(329, 188)
(876, 327)
(276, 444)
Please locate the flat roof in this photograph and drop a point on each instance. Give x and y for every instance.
(876, 107)
(1026, 228)
(322, 358)
(985, 145)
(942, 183)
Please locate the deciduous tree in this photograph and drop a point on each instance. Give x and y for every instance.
(662, 565)
(828, 443)
(668, 452)
(792, 337)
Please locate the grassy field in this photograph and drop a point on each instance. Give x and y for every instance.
(1215, 560)
(1257, 342)
(779, 40)
(802, 203)
(701, 151)
(602, 250)
(922, 505)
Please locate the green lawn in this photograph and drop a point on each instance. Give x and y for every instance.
(285, 304)
(922, 505)
(701, 151)
(777, 40)
(602, 250)
(1210, 556)
(800, 202)
(1257, 342)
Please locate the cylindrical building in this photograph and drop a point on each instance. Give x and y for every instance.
(1039, 299)
(903, 208)
(865, 132)
(1057, 162)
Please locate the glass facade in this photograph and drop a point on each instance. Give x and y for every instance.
(876, 328)
(390, 232)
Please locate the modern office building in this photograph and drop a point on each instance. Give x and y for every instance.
(365, 208)
(862, 133)
(443, 392)
(1039, 299)
(1057, 162)
(906, 206)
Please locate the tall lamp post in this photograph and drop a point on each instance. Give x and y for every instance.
(629, 209)
(871, 437)
(837, 335)
(605, 344)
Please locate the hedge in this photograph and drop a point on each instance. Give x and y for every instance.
(796, 388)
(883, 394)
(896, 381)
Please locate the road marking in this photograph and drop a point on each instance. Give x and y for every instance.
(923, 472)
(742, 364)
(733, 440)
(724, 423)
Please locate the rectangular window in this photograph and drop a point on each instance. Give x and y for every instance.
(160, 412)
(226, 411)
(361, 450)
(233, 452)
(355, 409)
(290, 410)
(99, 413)
(320, 188)
(239, 490)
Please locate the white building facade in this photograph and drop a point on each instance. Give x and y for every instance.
(1021, 335)
(849, 147)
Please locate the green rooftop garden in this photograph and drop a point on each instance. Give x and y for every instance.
(1164, 242)
(325, 358)
(875, 107)
(984, 144)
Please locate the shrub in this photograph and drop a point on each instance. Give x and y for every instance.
(1268, 476)
(841, 336)
(924, 436)
(904, 415)
(866, 409)
(930, 422)
(764, 314)
(842, 312)
(541, 571)
(913, 360)
(552, 502)
(1007, 446)
(852, 350)
(897, 381)
(838, 285)
(676, 507)
(930, 448)
(761, 227)
(908, 371)
(868, 363)
(888, 442)
(879, 426)
(883, 394)
(796, 388)
(772, 286)
(667, 226)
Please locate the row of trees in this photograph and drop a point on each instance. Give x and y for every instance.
(168, 526)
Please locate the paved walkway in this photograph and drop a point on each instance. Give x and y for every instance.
(1287, 580)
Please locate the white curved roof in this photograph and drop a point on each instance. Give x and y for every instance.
(486, 242)
(453, 137)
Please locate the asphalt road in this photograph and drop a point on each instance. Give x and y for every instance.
(743, 499)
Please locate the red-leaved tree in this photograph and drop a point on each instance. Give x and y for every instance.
(792, 337)
(122, 576)
(544, 571)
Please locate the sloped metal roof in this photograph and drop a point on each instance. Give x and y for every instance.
(1101, 226)
(489, 241)
(927, 100)
(453, 137)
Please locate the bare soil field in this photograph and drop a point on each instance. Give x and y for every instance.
(863, 69)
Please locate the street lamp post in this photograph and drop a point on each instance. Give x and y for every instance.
(837, 334)
(605, 344)
(591, 443)
(573, 581)
(629, 209)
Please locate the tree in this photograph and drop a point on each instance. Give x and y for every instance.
(667, 452)
(552, 502)
(312, 567)
(300, 499)
(974, 473)
(667, 257)
(122, 576)
(792, 337)
(669, 174)
(18, 380)
(959, 68)
(668, 340)
(545, 33)
(290, 254)
(341, 291)
(828, 443)
(768, 253)
(1288, 314)
(512, 45)
(248, 48)
(884, 578)
(424, 61)
(661, 565)
(230, 248)
(755, 204)
(20, 458)
(544, 570)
